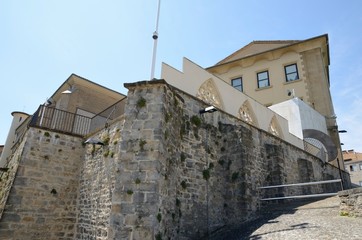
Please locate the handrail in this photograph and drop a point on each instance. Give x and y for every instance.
(62, 121)
(301, 184)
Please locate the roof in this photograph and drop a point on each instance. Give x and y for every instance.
(258, 47)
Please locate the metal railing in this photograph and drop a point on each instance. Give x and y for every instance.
(302, 184)
(103, 118)
(59, 120)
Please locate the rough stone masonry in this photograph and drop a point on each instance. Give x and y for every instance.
(164, 172)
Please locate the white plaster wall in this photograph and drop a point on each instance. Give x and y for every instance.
(311, 119)
(193, 76)
(300, 116)
(290, 111)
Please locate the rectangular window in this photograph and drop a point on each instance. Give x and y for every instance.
(291, 72)
(237, 83)
(360, 166)
(263, 79)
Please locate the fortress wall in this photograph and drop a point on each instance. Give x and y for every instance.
(42, 202)
(183, 174)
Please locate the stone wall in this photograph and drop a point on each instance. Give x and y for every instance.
(42, 202)
(164, 171)
(96, 184)
(184, 175)
(351, 202)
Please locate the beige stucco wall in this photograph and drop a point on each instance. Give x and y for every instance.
(277, 91)
(230, 100)
(312, 59)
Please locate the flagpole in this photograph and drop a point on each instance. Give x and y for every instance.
(155, 37)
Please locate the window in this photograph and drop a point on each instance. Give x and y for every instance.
(263, 79)
(237, 83)
(352, 168)
(360, 166)
(360, 183)
(291, 72)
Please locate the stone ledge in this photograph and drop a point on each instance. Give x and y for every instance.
(350, 202)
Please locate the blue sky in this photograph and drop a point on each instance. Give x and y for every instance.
(110, 42)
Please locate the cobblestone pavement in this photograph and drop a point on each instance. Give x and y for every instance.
(300, 220)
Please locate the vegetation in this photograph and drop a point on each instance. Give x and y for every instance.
(183, 184)
(141, 102)
(196, 121)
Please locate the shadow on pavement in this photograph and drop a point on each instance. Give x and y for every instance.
(267, 215)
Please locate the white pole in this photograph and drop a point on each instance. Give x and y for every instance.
(155, 37)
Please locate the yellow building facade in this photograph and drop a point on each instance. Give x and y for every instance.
(272, 72)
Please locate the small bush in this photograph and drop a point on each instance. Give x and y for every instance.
(183, 184)
(129, 192)
(142, 144)
(141, 102)
(196, 121)
(206, 174)
(137, 181)
(46, 134)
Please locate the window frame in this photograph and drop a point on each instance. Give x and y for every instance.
(287, 74)
(264, 79)
(241, 84)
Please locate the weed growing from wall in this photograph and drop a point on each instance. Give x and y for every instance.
(129, 192)
(183, 184)
(142, 143)
(141, 103)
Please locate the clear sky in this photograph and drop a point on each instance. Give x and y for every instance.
(110, 42)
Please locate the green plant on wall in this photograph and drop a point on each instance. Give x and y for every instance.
(141, 103)
(106, 153)
(129, 192)
(183, 184)
(206, 174)
(167, 117)
(137, 181)
(196, 121)
(105, 140)
(46, 134)
(142, 143)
